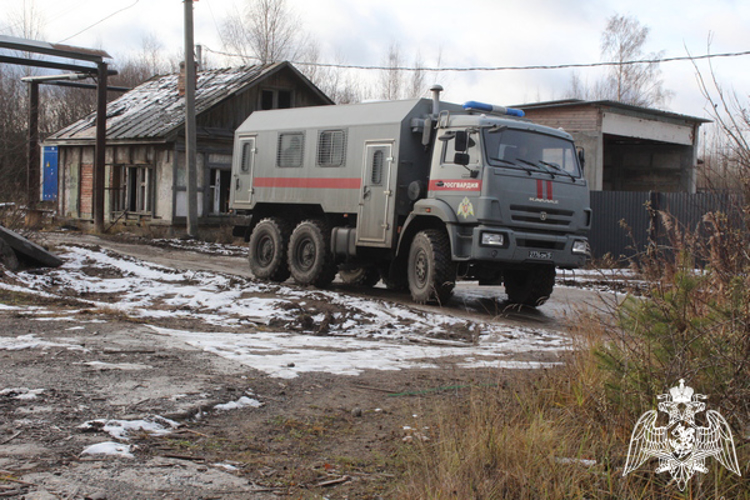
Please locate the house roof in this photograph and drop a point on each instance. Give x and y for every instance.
(154, 109)
(612, 105)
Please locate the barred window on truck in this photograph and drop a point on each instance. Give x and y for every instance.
(290, 148)
(332, 148)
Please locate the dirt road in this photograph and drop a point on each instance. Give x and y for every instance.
(469, 301)
(182, 398)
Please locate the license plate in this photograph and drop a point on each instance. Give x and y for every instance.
(535, 254)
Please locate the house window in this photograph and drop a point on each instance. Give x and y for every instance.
(132, 189)
(289, 153)
(275, 99)
(284, 99)
(139, 189)
(331, 148)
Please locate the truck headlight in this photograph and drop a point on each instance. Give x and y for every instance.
(493, 239)
(581, 247)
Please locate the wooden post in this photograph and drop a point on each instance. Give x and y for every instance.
(100, 147)
(32, 170)
(190, 133)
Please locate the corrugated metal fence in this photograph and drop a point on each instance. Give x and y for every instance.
(623, 223)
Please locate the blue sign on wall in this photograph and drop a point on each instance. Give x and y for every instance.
(49, 164)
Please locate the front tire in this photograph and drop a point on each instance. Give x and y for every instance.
(530, 287)
(431, 273)
(310, 259)
(268, 249)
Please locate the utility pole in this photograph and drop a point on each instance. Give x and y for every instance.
(190, 134)
(100, 146)
(33, 166)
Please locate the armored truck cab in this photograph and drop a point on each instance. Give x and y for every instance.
(416, 192)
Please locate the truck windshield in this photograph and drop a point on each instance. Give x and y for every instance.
(528, 150)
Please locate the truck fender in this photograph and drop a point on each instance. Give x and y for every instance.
(438, 212)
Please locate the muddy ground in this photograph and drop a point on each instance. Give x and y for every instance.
(67, 375)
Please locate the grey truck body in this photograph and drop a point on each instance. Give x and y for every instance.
(379, 173)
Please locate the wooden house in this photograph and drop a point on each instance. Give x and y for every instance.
(145, 174)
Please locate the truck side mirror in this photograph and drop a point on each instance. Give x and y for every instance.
(462, 142)
(581, 158)
(461, 159)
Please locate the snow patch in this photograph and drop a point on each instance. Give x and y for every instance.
(285, 355)
(123, 429)
(243, 402)
(21, 393)
(31, 341)
(102, 366)
(109, 448)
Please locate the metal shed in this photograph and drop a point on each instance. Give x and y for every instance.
(628, 148)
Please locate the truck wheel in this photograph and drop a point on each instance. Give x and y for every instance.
(360, 276)
(310, 259)
(268, 244)
(431, 273)
(530, 287)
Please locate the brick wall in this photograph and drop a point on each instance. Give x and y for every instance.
(87, 191)
(570, 119)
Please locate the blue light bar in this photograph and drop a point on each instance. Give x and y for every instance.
(492, 108)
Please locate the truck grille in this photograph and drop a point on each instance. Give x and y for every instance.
(551, 217)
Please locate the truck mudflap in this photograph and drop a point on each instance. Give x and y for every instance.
(499, 244)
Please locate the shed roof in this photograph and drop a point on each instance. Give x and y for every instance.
(656, 113)
(154, 109)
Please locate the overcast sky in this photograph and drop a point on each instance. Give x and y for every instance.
(461, 33)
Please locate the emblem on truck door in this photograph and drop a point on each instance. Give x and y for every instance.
(465, 208)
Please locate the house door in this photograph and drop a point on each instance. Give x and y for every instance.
(374, 223)
(49, 189)
(219, 191)
(243, 174)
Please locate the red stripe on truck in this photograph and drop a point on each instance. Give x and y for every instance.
(308, 182)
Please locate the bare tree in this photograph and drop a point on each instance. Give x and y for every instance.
(623, 40)
(337, 83)
(390, 78)
(26, 21)
(398, 82)
(417, 84)
(640, 84)
(267, 31)
(730, 149)
(12, 134)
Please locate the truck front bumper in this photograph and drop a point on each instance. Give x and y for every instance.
(504, 245)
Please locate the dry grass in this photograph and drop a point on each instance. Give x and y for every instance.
(566, 434)
(557, 437)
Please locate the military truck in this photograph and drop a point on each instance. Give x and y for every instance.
(418, 193)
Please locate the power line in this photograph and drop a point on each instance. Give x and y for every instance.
(502, 68)
(100, 21)
(216, 25)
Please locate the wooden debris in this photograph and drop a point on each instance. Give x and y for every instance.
(26, 250)
(334, 482)
(14, 436)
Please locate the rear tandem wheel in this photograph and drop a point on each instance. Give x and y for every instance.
(268, 249)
